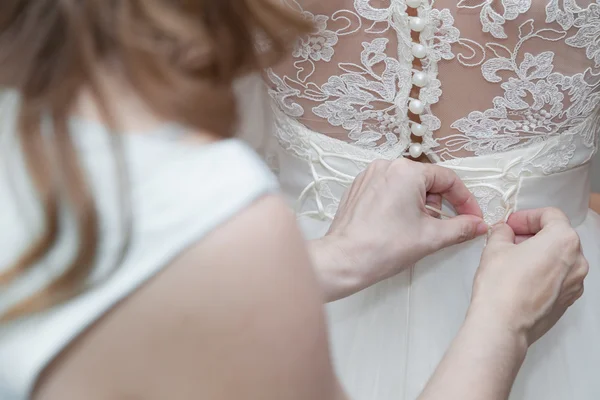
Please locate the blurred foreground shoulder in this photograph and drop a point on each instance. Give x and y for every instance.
(237, 315)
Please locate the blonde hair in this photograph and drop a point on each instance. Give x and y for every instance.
(181, 58)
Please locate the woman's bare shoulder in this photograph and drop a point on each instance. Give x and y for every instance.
(237, 315)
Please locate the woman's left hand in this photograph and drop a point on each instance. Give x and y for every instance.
(383, 226)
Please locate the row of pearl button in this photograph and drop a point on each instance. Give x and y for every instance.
(419, 79)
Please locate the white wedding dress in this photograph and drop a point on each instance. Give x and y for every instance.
(505, 93)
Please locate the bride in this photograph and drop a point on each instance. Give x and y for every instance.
(503, 92)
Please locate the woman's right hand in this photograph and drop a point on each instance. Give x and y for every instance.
(528, 286)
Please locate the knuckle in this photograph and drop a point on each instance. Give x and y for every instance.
(378, 165)
(550, 210)
(555, 213)
(584, 269)
(464, 233)
(451, 173)
(571, 241)
(399, 166)
(576, 296)
(570, 301)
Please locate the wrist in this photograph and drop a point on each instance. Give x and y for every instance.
(482, 362)
(337, 275)
(500, 330)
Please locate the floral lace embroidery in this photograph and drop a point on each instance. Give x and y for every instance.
(369, 99)
(538, 103)
(491, 20)
(348, 100)
(588, 34)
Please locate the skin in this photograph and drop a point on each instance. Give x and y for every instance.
(243, 327)
(250, 325)
(521, 290)
(595, 202)
(239, 327)
(368, 241)
(193, 348)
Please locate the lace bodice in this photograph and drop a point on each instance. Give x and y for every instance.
(447, 78)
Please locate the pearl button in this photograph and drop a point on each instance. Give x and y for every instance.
(415, 150)
(413, 3)
(417, 24)
(418, 50)
(416, 107)
(420, 79)
(418, 129)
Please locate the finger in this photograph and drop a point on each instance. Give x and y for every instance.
(345, 197)
(435, 201)
(462, 228)
(521, 238)
(445, 182)
(354, 189)
(501, 234)
(530, 222)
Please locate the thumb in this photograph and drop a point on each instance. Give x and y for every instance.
(459, 229)
(501, 233)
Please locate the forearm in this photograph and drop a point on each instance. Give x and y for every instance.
(481, 364)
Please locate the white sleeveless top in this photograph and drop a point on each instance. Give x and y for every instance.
(179, 193)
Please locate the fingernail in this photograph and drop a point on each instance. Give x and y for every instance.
(482, 228)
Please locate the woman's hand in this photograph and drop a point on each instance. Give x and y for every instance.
(528, 286)
(383, 226)
(531, 271)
